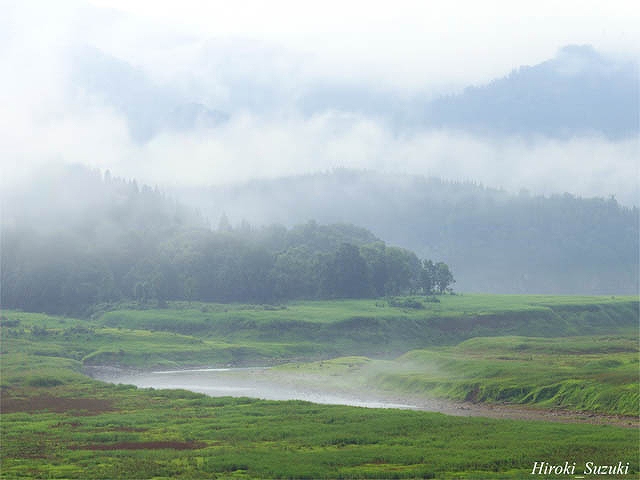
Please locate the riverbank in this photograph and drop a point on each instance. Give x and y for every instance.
(276, 384)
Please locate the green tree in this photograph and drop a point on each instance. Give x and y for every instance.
(443, 278)
(403, 270)
(345, 274)
(295, 274)
(427, 277)
(375, 257)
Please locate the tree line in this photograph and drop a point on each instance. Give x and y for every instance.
(141, 246)
(495, 241)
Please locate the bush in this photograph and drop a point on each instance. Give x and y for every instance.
(406, 303)
(5, 322)
(44, 382)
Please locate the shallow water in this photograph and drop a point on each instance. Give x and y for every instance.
(241, 382)
(265, 383)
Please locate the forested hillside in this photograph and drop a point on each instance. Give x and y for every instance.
(495, 241)
(578, 92)
(82, 238)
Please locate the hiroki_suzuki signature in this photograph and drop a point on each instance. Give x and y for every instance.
(589, 468)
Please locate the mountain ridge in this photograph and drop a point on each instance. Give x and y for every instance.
(578, 92)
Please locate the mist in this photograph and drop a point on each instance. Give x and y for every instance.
(249, 146)
(90, 89)
(413, 205)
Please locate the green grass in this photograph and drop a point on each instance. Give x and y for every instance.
(214, 334)
(368, 327)
(58, 423)
(203, 316)
(89, 342)
(111, 437)
(596, 374)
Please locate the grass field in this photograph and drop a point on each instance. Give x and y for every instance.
(373, 327)
(570, 352)
(84, 429)
(202, 316)
(595, 374)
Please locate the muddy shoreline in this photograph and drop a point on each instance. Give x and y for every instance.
(272, 384)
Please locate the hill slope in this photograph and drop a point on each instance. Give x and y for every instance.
(494, 241)
(578, 92)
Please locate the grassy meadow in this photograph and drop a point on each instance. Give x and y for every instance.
(91, 430)
(597, 374)
(239, 334)
(575, 353)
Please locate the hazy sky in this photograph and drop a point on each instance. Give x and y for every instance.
(405, 46)
(399, 42)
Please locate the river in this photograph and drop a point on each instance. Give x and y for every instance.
(257, 382)
(273, 384)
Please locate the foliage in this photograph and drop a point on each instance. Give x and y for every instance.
(406, 302)
(493, 240)
(138, 245)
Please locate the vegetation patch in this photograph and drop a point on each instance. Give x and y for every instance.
(142, 446)
(597, 374)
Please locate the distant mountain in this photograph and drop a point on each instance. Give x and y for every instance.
(494, 241)
(189, 116)
(578, 92)
(148, 108)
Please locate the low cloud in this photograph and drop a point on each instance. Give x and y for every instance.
(252, 146)
(43, 123)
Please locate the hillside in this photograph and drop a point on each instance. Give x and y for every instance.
(494, 241)
(578, 92)
(80, 239)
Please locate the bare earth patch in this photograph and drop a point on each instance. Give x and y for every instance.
(516, 412)
(80, 406)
